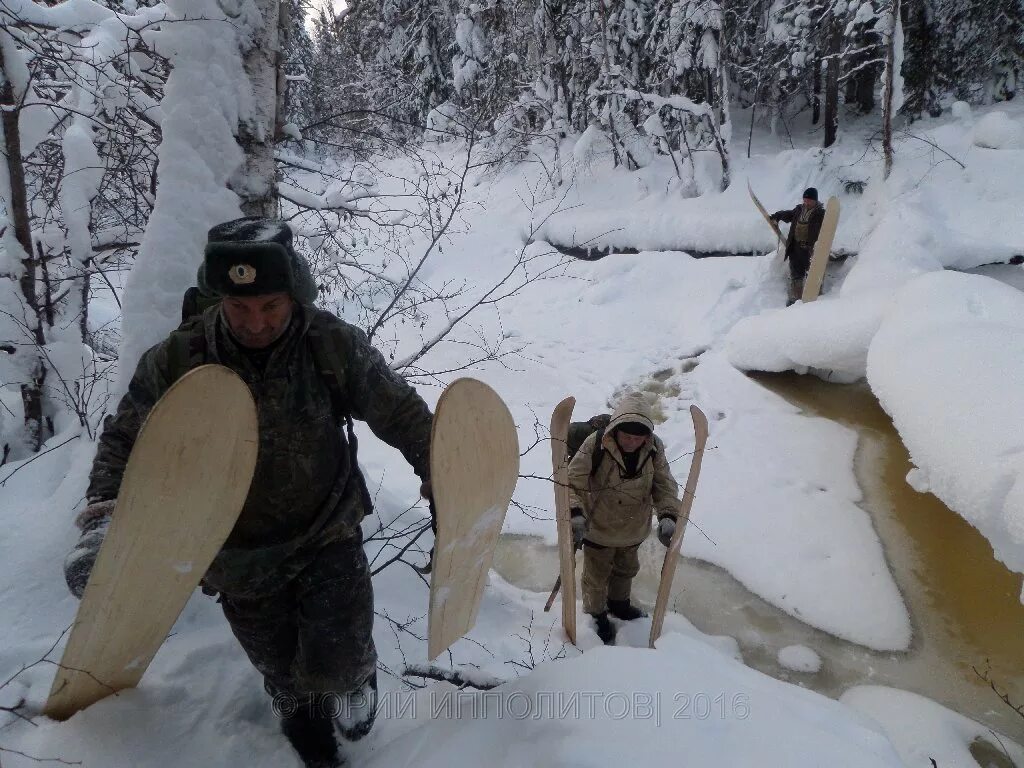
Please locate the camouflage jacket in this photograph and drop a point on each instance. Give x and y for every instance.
(304, 492)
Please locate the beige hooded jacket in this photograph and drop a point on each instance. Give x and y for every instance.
(618, 508)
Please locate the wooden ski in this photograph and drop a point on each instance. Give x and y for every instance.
(560, 419)
(822, 249)
(767, 217)
(184, 486)
(668, 568)
(474, 465)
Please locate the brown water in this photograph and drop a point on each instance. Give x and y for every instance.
(964, 605)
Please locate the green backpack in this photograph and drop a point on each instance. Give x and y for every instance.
(579, 431)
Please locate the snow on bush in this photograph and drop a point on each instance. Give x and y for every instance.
(946, 364)
(592, 145)
(997, 130)
(206, 96)
(443, 123)
(961, 111)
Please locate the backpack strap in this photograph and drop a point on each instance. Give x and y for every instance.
(329, 361)
(186, 348)
(330, 365)
(598, 454)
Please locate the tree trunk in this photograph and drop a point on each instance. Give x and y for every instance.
(31, 392)
(256, 182)
(863, 89)
(887, 88)
(832, 68)
(816, 94)
(722, 110)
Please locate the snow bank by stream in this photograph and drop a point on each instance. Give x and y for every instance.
(947, 364)
(942, 351)
(943, 355)
(923, 731)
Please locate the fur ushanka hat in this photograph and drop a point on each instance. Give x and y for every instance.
(253, 256)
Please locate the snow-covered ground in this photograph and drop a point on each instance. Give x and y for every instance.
(776, 506)
(943, 347)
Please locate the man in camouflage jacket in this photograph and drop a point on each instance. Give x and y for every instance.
(293, 580)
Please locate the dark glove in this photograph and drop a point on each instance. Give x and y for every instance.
(579, 527)
(666, 527)
(93, 522)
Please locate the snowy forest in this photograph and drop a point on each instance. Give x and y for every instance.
(84, 88)
(558, 198)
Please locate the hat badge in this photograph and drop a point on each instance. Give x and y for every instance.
(242, 274)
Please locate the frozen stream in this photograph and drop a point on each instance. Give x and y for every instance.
(964, 604)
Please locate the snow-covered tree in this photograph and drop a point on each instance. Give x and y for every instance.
(489, 66)
(411, 73)
(77, 187)
(921, 65)
(300, 62)
(556, 46)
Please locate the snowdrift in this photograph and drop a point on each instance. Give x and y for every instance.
(942, 355)
(626, 706)
(946, 364)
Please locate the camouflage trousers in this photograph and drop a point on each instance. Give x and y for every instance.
(607, 574)
(314, 635)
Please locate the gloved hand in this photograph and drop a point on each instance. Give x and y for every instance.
(579, 527)
(93, 521)
(666, 527)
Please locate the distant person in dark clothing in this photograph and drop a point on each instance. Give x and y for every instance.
(805, 224)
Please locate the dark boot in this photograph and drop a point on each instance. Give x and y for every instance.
(311, 733)
(605, 629)
(358, 710)
(623, 609)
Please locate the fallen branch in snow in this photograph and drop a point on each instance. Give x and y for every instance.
(1003, 695)
(38, 455)
(909, 135)
(18, 709)
(40, 759)
(463, 677)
